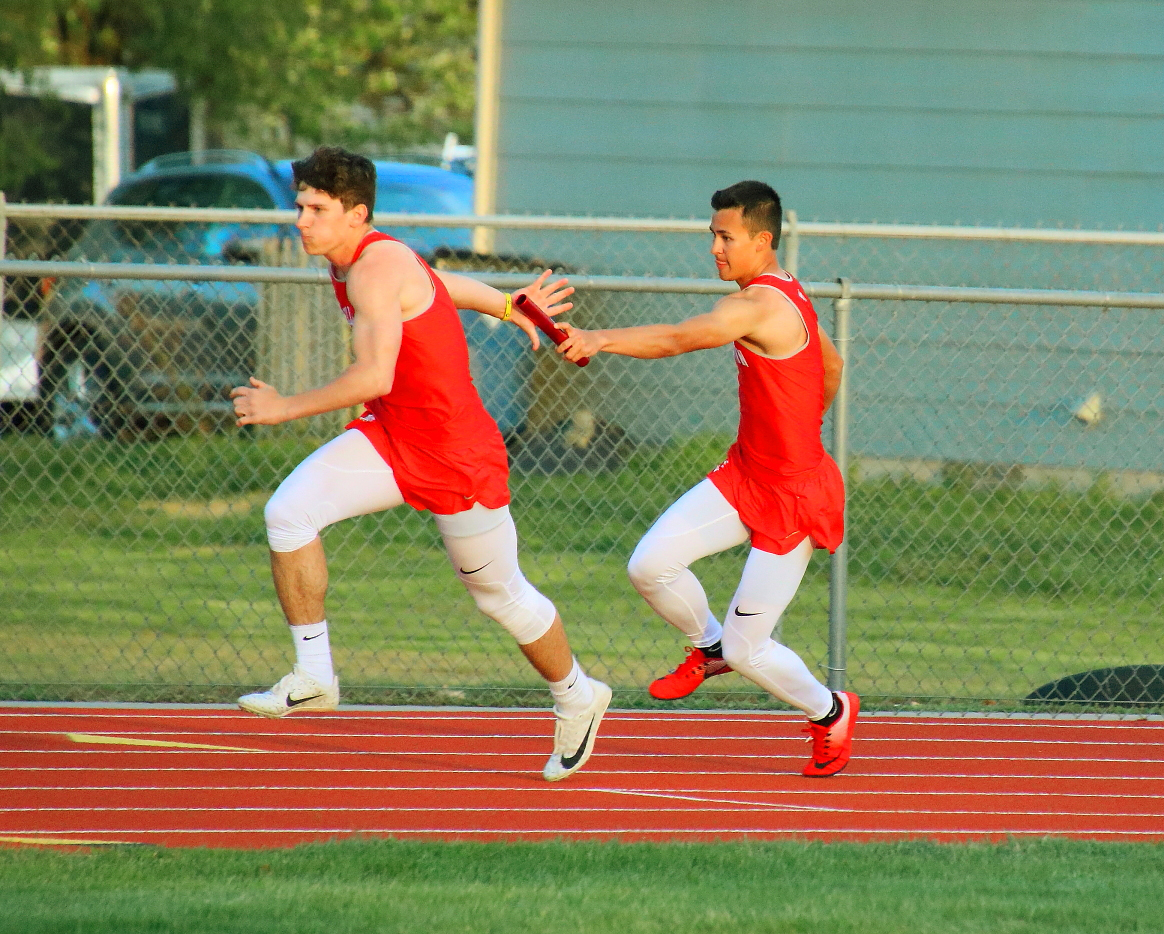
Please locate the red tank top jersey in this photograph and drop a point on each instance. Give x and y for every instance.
(432, 429)
(778, 475)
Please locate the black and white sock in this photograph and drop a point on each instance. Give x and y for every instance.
(834, 713)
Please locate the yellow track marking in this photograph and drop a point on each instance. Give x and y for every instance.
(163, 743)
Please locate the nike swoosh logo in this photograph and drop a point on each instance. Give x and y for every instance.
(296, 701)
(570, 761)
(482, 568)
(822, 765)
(738, 613)
(309, 638)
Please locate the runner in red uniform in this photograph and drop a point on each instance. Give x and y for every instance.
(425, 439)
(445, 450)
(777, 488)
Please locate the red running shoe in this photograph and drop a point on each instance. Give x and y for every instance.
(831, 745)
(696, 669)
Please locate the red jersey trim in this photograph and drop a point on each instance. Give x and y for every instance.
(807, 334)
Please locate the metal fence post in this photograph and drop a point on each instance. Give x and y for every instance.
(839, 567)
(791, 244)
(488, 119)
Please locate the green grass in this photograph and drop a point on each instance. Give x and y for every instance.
(140, 572)
(1065, 887)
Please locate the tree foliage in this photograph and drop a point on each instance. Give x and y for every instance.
(381, 72)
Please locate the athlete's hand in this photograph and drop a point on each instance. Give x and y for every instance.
(548, 297)
(258, 404)
(579, 343)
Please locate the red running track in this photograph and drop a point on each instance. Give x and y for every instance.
(86, 775)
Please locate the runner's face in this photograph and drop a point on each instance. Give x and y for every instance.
(323, 223)
(737, 253)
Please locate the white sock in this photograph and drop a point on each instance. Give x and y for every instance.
(573, 694)
(313, 652)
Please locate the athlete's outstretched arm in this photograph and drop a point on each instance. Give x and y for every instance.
(733, 317)
(377, 325)
(467, 292)
(833, 364)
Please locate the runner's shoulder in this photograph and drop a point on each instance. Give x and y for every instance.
(768, 301)
(383, 257)
(389, 251)
(744, 300)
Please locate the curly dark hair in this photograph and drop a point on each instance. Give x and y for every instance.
(344, 175)
(759, 203)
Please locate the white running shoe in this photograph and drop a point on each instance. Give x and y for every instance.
(294, 692)
(574, 737)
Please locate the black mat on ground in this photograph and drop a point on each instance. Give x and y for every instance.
(1125, 685)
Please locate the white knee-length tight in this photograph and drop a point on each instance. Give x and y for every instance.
(701, 523)
(347, 477)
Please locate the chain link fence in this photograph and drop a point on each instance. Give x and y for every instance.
(1003, 454)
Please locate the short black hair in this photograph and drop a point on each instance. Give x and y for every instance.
(759, 203)
(344, 175)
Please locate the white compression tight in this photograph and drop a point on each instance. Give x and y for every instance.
(701, 523)
(347, 477)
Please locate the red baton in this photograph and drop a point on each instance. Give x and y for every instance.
(544, 323)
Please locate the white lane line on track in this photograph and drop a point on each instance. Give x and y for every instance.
(606, 736)
(768, 774)
(160, 751)
(1051, 721)
(1154, 730)
(702, 799)
(38, 839)
(558, 789)
(737, 807)
(562, 831)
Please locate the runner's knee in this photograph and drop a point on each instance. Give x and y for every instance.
(526, 614)
(740, 653)
(482, 545)
(649, 568)
(290, 525)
